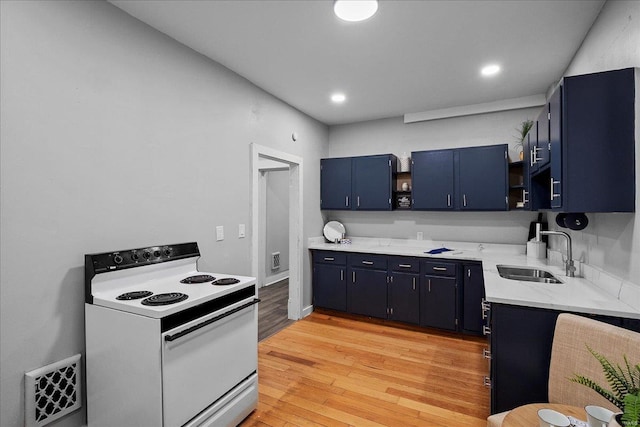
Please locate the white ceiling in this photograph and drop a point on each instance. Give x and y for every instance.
(411, 56)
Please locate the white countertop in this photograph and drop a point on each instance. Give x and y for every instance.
(575, 294)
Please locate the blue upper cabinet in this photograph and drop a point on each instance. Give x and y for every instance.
(597, 144)
(483, 178)
(432, 179)
(473, 178)
(357, 183)
(372, 181)
(335, 183)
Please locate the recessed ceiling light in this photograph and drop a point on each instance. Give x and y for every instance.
(338, 98)
(490, 70)
(355, 10)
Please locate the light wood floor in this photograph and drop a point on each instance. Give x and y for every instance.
(328, 370)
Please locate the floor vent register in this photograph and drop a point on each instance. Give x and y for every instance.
(52, 391)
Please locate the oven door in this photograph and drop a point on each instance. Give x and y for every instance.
(206, 358)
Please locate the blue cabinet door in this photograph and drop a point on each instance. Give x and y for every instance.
(598, 144)
(438, 302)
(542, 147)
(483, 177)
(367, 292)
(554, 190)
(473, 294)
(329, 287)
(432, 179)
(404, 301)
(372, 181)
(335, 183)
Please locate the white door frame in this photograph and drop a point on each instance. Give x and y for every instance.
(258, 153)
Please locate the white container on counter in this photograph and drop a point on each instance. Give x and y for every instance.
(536, 249)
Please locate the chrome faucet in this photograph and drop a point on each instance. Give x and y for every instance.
(568, 265)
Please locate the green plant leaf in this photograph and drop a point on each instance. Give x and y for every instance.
(631, 412)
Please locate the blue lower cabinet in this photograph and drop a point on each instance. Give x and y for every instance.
(367, 292)
(418, 291)
(438, 302)
(404, 301)
(329, 287)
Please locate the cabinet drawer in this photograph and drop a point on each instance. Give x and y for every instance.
(439, 268)
(378, 262)
(330, 257)
(404, 264)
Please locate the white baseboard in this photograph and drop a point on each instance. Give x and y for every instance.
(307, 311)
(276, 278)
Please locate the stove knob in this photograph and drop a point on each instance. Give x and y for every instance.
(156, 253)
(146, 254)
(135, 256)
(118, 259)
(166, 251)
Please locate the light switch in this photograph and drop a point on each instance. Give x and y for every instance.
(219, 233)
(241, 231)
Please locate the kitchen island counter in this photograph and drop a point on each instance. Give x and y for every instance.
(599, 294)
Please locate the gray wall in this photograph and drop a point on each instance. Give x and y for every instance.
(277, 228)
(115, 136)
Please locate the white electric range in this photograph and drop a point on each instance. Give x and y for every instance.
(168, 345)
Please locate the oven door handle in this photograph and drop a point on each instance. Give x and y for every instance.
(210, 321)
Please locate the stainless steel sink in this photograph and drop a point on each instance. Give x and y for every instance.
(527, 274)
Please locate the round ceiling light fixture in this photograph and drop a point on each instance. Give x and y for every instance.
(355, 10)
(338, 98)
(490, 70)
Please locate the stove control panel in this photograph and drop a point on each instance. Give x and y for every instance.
(130, 258)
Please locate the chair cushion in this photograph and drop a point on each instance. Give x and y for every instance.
(496, 420)
(569, 356)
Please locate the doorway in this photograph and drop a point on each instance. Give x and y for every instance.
(264, 159)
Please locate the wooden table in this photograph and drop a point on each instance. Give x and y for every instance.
(527, 415)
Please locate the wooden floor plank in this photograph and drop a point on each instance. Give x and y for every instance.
(329, 370)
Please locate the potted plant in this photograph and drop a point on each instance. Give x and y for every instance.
(625, 389)
(523, 130)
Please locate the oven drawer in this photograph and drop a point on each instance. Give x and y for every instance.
(205, 358)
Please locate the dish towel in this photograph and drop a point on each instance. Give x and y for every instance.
(438, 251)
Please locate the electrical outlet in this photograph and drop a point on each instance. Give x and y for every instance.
(419, 236)
(219, 233)
(241, 231)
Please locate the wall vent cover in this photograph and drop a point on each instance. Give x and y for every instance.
(52, 391)
(275, 260)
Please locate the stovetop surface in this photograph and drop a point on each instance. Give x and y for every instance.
(105, 292)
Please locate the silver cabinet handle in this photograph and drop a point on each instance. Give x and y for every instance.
(534, 156)
(554, 195)
(486, 353)
(391, 279)
(414, 283)
(464, 200)
(429, 285)
(448, 200)
(524, 196)
(346, 201)
(358, 201)
(367, 262)
(439, 268)
(329, 259)
(531, 157)
(341, 275)
(353, 276)
(486, 330)
(404, 265)
(487, 382)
